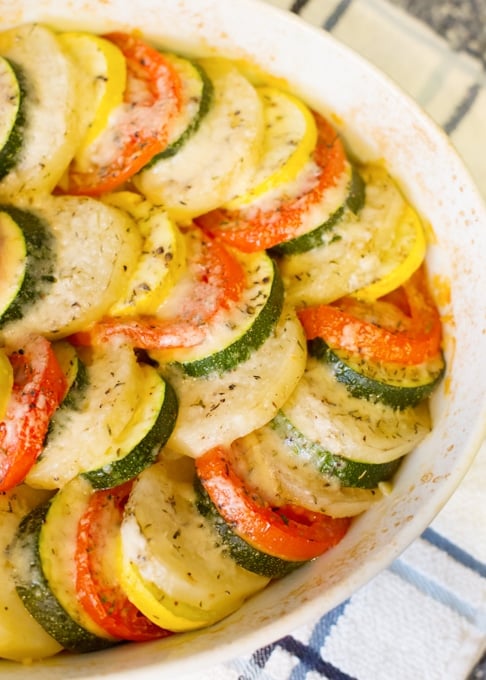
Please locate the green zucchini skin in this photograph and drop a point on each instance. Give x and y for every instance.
(350, 473)
(40, 262)
(363, 386)
(144, 453)
(13, 145)
(243, 553)
(241, 349)
(77, 390)
(312, 239)
(76, 374)
(231, 405)
(35, 593)
(78, 383)
(357, 192)
(207, 91)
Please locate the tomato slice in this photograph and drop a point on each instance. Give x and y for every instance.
(140, 125)
(381, 330)
(252, 229)
(147, 333)
(39, 386)
(289, 532)
(217, 281)
(97, 587)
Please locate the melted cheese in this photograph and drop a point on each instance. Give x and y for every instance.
(352, 251)
(21, 637)
(218, 409)
(50, 135)
(218, 161)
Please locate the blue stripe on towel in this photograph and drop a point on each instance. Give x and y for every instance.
(308, 655)
(298, 5)
(310, 658)
(459, 555)
(336, 15)
(463, 108)
(438, 593)
(325, 623)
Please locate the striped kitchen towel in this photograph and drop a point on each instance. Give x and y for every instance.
(450, 85)
(423, 618)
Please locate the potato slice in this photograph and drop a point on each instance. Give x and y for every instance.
(97, 249)
(51, 98)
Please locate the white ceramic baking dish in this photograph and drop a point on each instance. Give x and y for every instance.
(379, 122)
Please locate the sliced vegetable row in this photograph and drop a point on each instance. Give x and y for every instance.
(94, 568)
(301, 195)
(217, 340)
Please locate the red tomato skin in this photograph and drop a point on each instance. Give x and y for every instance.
(98, 591)
(219, 282)
(38, 389)
(413, 337)
(251, 230)
(153, 93)
(290, 532)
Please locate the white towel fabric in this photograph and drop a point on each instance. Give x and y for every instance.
(423, 618)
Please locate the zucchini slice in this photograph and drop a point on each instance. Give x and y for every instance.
(26, 261)
(142, 440)
(188, 578)
(283, 467)
(49, 132)
(350, 252)
(316, 236)
(77, 383)
(200, 177)
(74, 370)
(21, 637)
(217, 410)
(323, 410)
(240, 330)
(57, 548)
(13, 118)
(243, 553)
(81, 441)
(81, 433)
(197, 98)
(95, 247)
(399, 386)
(41, 556)
(336, 471)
